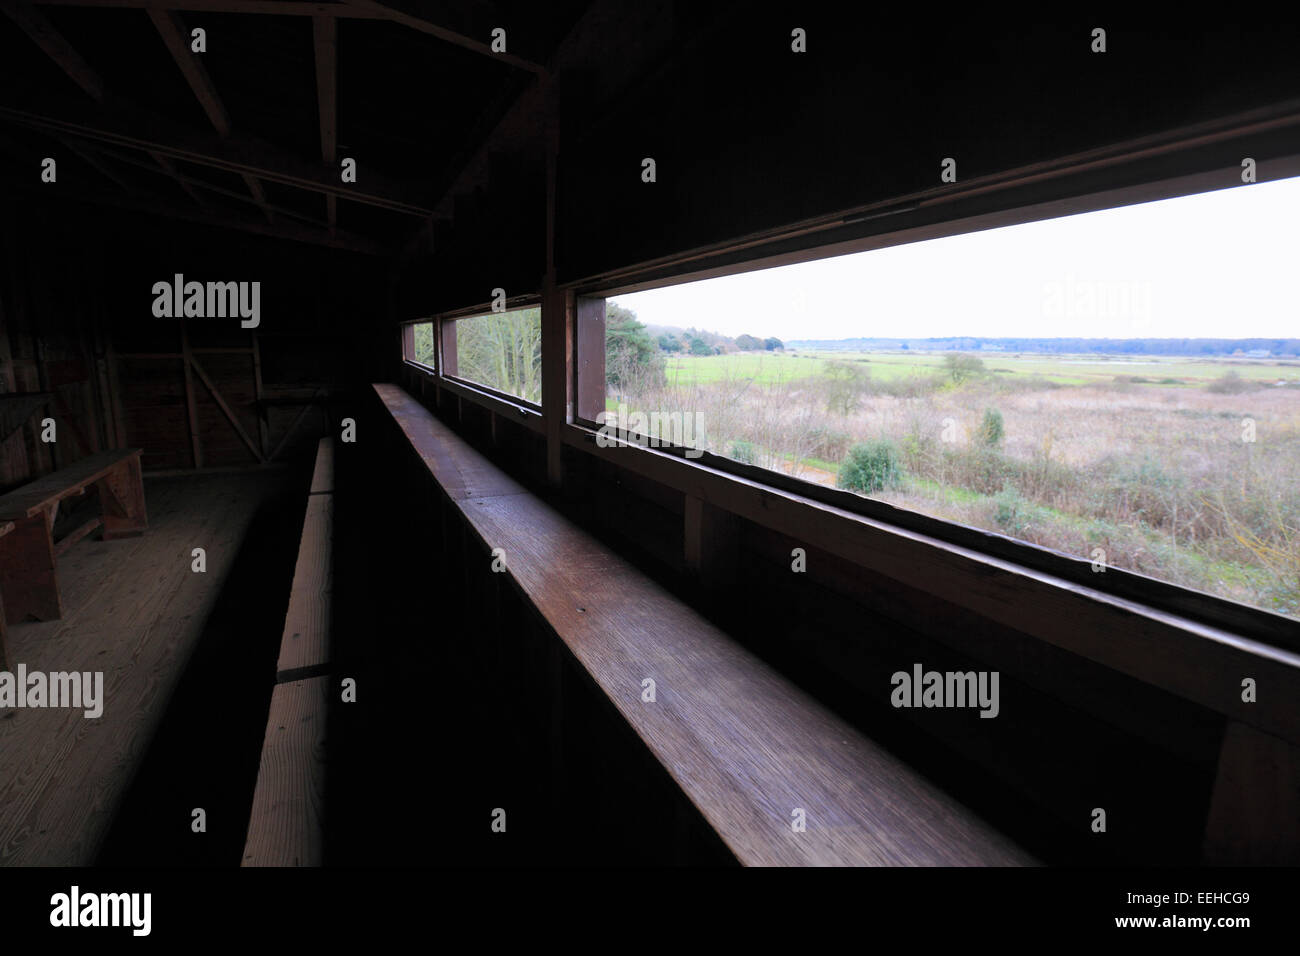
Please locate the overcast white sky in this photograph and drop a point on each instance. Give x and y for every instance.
(1224, 264)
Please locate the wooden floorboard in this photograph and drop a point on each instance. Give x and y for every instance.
(134, 609)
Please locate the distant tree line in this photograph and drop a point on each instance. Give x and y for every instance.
(699, 342)
(1275, 348)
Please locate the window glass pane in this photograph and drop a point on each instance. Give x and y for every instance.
(1121, 386)
(422, 343)
(502, 350)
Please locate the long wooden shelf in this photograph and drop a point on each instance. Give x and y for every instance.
(743, 744)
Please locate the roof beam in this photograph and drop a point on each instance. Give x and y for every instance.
(176, 38)
(153, 206)
(275, 7)
(121, 124)
(170, 169)
(522, 119)
(173, 34)
(390, 10)
(259, 195)
(325, 41)
(96, 163)
(268, 208)
(44, 35)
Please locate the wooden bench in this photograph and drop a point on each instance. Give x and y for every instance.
(28, 552)
(286, 822)
(743, 744)
(305, 647)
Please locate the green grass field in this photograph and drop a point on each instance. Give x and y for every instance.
(1159, 462)
(769, 368)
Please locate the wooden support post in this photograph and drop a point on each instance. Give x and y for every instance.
(112, 437)
(7, 661)
(53, 449)
(69, 422)
(408, 341)
(325, 42)
(557, 312)
(115, 393)
(191, 407)
(447, 354)
(259, 395)
(225, 409)
(709, 539)
(589, 332)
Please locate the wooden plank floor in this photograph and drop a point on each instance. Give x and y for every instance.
(133, 609)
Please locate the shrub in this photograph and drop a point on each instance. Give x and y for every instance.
(870, 466)
(1229, 383)
(977, 468)
(827, 444)
(743, 452)
(1011, 511)
(962, 368)
(844, 384)
(991, 428)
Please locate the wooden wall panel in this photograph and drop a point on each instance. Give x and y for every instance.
(76, 316)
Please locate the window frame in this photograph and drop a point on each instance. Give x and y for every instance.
(670, 465)
(408, 343)
(512, 407)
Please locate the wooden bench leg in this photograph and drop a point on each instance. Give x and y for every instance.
(28, 584)
(121, 494)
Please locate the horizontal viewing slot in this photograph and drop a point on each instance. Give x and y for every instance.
(418, 343)
(1118, 387)
(500, 351)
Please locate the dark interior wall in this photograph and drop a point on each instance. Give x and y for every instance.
(76, 292)
(748, 135)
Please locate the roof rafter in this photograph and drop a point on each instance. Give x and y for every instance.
(325, 42)
(220, 218)
(391, 10)
(58, 49)
(50, 40)
(170, 169)
(174, 35)
(121, 124)
(129, 160)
